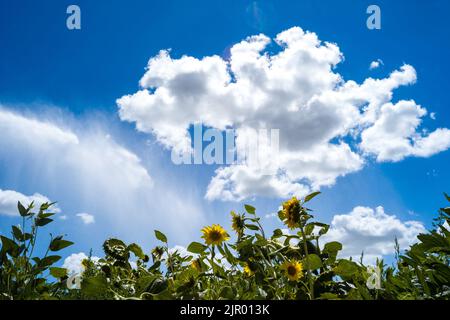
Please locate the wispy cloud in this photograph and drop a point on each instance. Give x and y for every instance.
(85, 169)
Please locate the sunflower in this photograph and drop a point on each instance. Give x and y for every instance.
(249, 269)
(293, 269)
(195, 264)
(215, 235)
(291, 213)
(237, 223)
(157, 252)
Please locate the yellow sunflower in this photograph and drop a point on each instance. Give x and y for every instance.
(291, 213)
(237, 223)
(195, 264)
(215, 235)
(293, 269)
(249, 269)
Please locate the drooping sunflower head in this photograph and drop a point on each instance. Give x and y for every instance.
(214, 235)
(157, 252)
(291, 213)
(237, 223)
(293, 269)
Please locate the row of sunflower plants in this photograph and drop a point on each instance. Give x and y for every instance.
(256, 265)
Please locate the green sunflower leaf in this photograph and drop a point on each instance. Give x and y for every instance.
(160, 236)
(250, 209)
(58, 272)
(196, 247)
(310, 196)
(312, 262)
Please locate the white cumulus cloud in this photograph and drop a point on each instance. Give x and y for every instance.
(9, 199)
(73, 263)
(394, 134)
(293, 87)
(376, 64)
(86, 218)
(372, 231)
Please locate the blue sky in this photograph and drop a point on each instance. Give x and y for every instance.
(72, 80)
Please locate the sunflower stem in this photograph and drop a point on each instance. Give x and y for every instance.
(308, 271)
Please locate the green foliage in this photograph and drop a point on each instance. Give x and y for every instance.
(424, 270)
(160, 236)
(23, 275)
(283, 266)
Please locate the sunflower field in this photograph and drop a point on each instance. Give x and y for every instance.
(256, 266)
